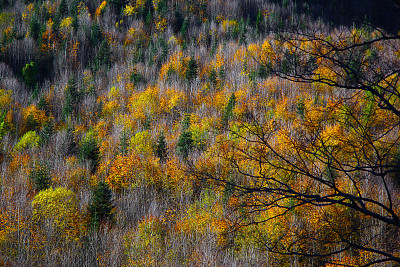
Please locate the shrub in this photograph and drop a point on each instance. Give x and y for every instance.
(29, 139)
(30, 74)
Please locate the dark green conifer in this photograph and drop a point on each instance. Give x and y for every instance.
(101, 206)
(228, 111)
(185, 141)
(40, 176)
(191, 71)
(72, 97)
(103, 56)
(160, 149)
(90, 151)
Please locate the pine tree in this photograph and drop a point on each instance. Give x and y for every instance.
(40, 176)
(101, 206)
(191, 71)
(96, 35)
(72, 97)
(160, 149)
(185, 141)
(228, 111)
(103, 56)
(90, 151)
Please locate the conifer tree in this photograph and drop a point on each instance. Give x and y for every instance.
(90, 151)
(191, 71)
(40, 176)
(185, 141)
(72, 97)
(103, 56)
(101, 206)
(228, 111)
(160, 149)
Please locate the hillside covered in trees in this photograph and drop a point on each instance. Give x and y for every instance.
(199, 133)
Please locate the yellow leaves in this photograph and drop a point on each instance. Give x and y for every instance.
(142, 143)
(204, 217)
(229, 25)
(155, 101)
(5, 99)
(145, 245)
(29, 139)
(172, 98)
(34, 118)
(110, 108)
(161, 24)
(57, 208)
(129, 10)
(66, 23)
(27, 13)
(177, 64)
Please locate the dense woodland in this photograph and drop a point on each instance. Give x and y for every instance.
(199, 133)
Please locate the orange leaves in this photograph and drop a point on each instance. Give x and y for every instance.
(122, 172)
(34, 118)
(100, 9)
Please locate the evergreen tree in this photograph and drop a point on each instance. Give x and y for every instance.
(103, 56)
(46, 132)
(101, 205)
(40, 176)
(185, 141)
(160, 149)
(63, 8)
(34, 28)
(90, 151)
(96, 35)
(72, 97)
(228, 111)
(191, 71)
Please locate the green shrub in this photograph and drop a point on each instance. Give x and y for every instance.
(30, 74)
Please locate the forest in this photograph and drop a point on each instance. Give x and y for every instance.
(199, 133)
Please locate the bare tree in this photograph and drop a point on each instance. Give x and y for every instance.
(336, 167)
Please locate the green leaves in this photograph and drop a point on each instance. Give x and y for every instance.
(30, 74)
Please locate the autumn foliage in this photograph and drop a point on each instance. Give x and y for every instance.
(197, 133)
